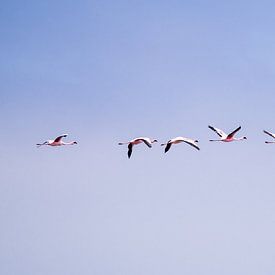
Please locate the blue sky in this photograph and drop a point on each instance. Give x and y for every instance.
(108, 71)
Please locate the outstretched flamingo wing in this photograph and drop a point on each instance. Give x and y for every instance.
(221, 133)
(191, 142)
(234, 132)
(130, 149)
(168, 146)
(59, 138)
(147, 142)
(270, 134)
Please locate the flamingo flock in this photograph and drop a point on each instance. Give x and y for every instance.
(223, 137)
(192, 142)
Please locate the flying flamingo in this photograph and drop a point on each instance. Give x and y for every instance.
(179, 140)
(270, 134)
(57, 142)
(136, 141)
(224, 137)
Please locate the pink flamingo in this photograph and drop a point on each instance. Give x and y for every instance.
(179, 140)
(136, 141)
(57, 142)
(224, 137)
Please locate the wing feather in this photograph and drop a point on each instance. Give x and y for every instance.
(270, 134)
(234, 132)
(192, 143)
(167, 148)
(130, 149)
(146, 142)
(220, 133)
(59, 138)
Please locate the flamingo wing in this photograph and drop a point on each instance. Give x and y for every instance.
(191, 142)
(234, 132)
(130, 149)
(168, 146)
(59, 138)
(147, 142)
(270, 134)
(220, 133)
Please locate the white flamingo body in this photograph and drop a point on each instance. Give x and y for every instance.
(226, 137)
(136, 141)
(180, 140)
(57, 142)
(270, 134)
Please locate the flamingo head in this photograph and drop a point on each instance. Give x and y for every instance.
(154, 140)
(196, 140)
(244, 137)
(74, 142)
(44, 143)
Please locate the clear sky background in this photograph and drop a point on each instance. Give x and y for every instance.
(108, 71)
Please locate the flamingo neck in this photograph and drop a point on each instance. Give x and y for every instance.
(241, 138)
(121, 143)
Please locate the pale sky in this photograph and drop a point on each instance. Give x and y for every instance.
(109, 71)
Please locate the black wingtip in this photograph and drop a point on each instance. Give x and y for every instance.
(167, 148)
(211, 127)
